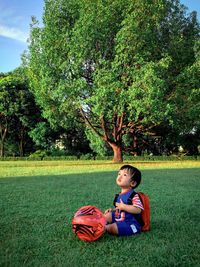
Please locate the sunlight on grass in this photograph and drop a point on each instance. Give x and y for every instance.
(32, 168)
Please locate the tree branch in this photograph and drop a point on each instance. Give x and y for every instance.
(103, 126)
(87, 121)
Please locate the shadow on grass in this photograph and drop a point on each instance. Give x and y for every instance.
(166, 187)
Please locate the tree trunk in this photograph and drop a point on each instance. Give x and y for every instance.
(117, 150)
(21, 141)
(21, 148)
(3, 132)
(2, 149)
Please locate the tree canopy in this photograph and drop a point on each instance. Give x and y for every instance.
(122, 67)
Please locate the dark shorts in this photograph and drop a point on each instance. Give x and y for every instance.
(126, 228)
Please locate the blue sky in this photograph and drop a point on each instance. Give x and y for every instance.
(15, 19)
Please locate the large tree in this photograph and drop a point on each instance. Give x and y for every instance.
(113, 63)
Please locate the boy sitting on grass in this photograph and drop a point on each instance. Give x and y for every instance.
(125, 219)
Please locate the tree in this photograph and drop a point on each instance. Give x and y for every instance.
(7, 108)
(112, 63)
(18, 110)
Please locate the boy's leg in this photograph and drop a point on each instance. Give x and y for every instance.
(112, 229)
(108, 216)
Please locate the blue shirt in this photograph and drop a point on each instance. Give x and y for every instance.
(126, 216)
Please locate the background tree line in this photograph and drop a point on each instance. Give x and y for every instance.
(111, 77)
(23, 129)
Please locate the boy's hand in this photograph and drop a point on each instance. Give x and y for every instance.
(120, 205)
(108, 210)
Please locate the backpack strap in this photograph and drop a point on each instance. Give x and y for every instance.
(115, 199)
(131, 197)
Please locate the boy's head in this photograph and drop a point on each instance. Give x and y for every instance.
(134, 173)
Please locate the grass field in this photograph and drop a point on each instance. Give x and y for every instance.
(38, 200)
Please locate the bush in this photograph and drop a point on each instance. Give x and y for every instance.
(39, 154)
(87, 156)
(60, 158)
(42, 155)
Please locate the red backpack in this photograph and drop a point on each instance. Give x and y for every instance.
(146, 212)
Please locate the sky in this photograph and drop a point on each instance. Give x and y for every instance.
(15, 19)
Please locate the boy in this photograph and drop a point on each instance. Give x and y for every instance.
(125, 219)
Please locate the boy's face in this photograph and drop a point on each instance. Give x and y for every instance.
(124, 179)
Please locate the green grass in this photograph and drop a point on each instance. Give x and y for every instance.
(37, 209)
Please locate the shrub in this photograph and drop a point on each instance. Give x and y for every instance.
(39, 154)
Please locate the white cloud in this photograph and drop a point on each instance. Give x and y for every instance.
(13, 33)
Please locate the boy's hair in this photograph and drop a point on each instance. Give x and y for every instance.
(134, 172)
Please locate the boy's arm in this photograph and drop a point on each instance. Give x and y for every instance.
(128, 208)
